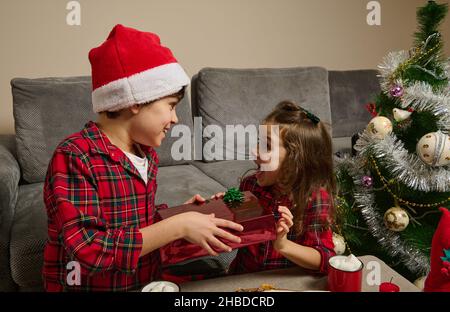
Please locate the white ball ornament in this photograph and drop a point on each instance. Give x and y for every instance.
(379, 127)
(396, 219)
(339, 244)
(400, 114)
(434, 149)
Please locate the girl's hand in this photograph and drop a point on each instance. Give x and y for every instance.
(283, 226)
(196, 199)
(203, 230)
(218, 195)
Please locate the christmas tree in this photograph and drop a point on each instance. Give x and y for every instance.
(390, 192)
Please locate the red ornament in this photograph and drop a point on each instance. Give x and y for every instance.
(389, 287)
(372, 109)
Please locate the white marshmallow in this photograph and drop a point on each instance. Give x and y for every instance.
(349, 263)
(161, 286)
(169, 288)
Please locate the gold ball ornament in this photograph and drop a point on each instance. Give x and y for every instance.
(379, 127)
(434, 149)
(396, 219)
(339, 244)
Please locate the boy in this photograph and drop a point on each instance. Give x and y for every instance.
(101, 182)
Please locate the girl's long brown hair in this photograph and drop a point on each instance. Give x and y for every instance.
(308, 164)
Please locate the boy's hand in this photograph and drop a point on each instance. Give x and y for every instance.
(218, 195)
(203, 230)
(283, 226)
(196, 199)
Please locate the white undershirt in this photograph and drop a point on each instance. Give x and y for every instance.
(141, 164)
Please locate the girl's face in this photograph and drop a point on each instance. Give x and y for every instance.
(268, 166)
(151, 123)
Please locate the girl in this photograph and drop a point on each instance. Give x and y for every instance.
(299, 193)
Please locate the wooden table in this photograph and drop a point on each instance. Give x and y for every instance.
(297, 279)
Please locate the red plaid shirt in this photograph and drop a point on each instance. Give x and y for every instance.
(96, 201)
(316, 233)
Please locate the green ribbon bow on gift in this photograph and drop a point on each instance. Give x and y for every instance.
(233, 195)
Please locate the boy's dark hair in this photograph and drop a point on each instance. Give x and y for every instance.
(180, 95)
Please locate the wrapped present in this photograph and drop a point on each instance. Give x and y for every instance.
(245, 209)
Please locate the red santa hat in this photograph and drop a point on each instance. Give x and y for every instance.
(439, 277)
(132, 67)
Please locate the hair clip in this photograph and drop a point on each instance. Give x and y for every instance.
(311, 116)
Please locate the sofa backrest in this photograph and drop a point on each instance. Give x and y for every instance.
(350, 91)
(46, 110)
(245, 96)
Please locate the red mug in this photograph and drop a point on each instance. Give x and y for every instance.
(344, 281)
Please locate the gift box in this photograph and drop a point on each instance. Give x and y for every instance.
(259, 226)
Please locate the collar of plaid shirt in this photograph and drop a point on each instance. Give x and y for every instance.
(99, 143)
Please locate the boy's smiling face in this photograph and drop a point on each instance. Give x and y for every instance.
(151, 123)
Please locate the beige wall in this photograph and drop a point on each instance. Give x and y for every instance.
(37, 42)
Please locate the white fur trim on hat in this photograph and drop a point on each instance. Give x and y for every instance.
(140, 88)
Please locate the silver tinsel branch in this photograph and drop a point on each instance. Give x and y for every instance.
(447, 70)
(411, 257)
(388, 66)
(422, 97)
(414, 259)
(406, 168)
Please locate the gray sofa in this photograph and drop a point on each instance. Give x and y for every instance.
(46, 110)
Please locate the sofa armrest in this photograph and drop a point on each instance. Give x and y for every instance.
(9, 190)
(9, 185)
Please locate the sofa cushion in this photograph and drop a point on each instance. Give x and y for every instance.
(9, 190)
(28, 236)
(350, 91)
(227, 172)
(46, 110)
(342, 145)
(245, 96)
(176, 184)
